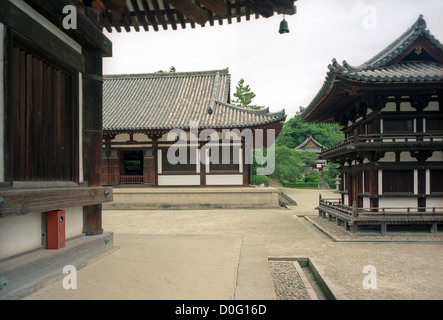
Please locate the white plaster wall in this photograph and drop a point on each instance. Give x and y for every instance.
(390, 106)
(409, 202)
(406, 156)
(123, 137)
(224, 179)
(74, 222)
(434, 202)
(432, 106)
(389, 157)
(141, 137)
(366, 202)
(415, 181)
(380, 182)
(428, 181)
(179, 180)
(406, 106)
(436, 156)
(20, 234)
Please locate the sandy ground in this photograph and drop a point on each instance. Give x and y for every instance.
(403, 270)
(195, 254)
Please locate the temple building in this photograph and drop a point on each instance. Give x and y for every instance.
(145, 114)
(391, 111)
(312, 145)
(51, 137)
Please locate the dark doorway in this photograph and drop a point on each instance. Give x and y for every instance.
(133, 163)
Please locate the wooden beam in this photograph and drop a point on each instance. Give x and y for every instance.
(127, 21)
(190, 10)
(170, 15)
(216, 6)
(139, 15)
(261, 7)
(149, 15)
(87, 34)
(28, 27)
(26, 201)
(159, 15)
(181, 19)
(238, 10)
(116, 7)
(229, 6)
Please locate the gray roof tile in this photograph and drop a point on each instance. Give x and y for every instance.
(379, 70)
(164, 101)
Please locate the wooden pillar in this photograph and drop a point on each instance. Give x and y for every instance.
(421, 175)
(155, 148)
(434, 228)
(92, 135)
(373, 189)
(155, 137)
(383, 228)
(202, 165)
(245, 167)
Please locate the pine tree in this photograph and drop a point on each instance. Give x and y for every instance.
(244, 96)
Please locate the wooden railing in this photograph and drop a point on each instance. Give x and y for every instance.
(352, 141)
(354, 212)
(131, 179)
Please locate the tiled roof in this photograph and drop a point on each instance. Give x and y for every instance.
(402, 72)
(397, 47)
(381, 69)
(310, 138)
(164, 101)
(378, 68)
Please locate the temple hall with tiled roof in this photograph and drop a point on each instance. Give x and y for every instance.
(139, 110)
(391, 160)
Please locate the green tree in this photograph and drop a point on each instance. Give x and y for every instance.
(287, 165)
(295, 131)
(171, 69)
(244, 96)
(308, 158)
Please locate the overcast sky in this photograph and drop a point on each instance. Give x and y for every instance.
(285, 71)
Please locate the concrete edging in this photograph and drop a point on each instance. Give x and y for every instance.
(327, 287)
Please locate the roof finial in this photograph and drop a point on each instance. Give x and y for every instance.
(421, 23)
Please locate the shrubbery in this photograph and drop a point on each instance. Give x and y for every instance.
(330, 174)
(258, 180)
(300, 184)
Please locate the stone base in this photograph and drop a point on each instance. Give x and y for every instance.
(25, 273)
(194, 198)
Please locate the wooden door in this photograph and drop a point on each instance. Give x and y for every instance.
(148, 170)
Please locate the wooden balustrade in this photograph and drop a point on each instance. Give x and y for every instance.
(131, 179)
(351, 141)
(336, 205)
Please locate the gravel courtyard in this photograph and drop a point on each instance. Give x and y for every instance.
(404, 270)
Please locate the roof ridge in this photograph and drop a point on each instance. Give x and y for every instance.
(397, 47)
(224, 71)
(263, 111)
(306, 141)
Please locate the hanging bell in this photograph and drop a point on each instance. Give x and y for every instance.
(283, 27)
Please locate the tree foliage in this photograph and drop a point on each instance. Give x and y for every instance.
(295, 131)
(171, 69)
(243, 96)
